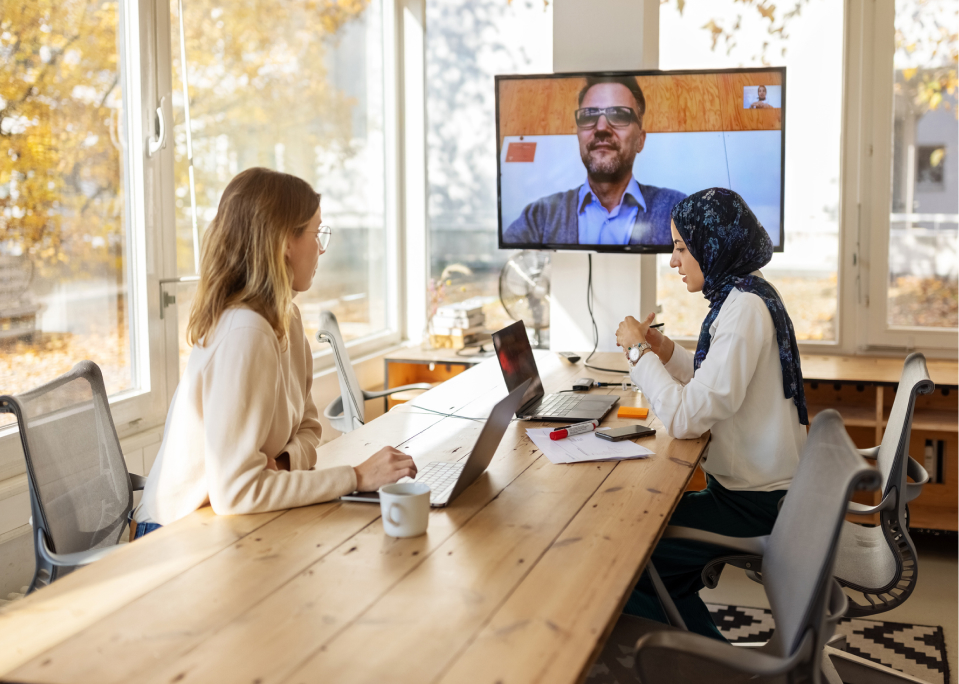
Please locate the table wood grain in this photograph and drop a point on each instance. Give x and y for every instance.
(519, 580)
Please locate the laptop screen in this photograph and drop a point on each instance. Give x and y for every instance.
(516, 359)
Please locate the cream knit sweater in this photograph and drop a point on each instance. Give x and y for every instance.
(242, 398)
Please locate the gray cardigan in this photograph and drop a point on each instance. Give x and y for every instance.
(554, 220)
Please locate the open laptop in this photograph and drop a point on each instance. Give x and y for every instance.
(518, 365)
(447, 480)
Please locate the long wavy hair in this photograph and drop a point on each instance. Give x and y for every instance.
(243, 261)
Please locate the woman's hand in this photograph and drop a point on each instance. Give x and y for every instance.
(384, 467)
(662, 346)
(631, 332)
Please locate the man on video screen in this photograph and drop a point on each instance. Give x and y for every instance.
(761, 102)
(611, 207)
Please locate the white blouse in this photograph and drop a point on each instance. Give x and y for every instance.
(242, 398)
(737, 394)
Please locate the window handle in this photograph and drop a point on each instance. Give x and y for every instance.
(156, 144)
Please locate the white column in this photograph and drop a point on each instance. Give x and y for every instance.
(601, 35)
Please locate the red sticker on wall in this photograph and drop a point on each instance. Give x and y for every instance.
(521, 152)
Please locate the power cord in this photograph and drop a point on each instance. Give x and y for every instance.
(592, 318)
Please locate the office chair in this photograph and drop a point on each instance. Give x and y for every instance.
(879, 562)
(80, 490)
(806, 601)
(347, 412)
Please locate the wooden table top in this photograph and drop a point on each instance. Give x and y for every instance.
(519, 580)
(872, 369)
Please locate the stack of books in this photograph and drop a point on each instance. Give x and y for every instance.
(455, 326)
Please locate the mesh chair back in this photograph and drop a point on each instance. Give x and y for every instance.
(798, 565)
(79, 485)
(350, 390)
(894, 449)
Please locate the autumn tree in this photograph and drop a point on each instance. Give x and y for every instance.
(61, 200)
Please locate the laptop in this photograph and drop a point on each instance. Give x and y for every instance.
(518, 366)
(447, 480)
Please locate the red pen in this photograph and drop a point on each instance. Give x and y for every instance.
(575, 429)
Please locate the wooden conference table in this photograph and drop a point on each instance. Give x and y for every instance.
(519, 580)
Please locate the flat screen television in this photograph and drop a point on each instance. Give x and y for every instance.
(596, 161)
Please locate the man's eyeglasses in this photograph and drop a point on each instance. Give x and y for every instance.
(323, 234)
(618, 117)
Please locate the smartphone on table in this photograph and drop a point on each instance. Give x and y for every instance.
(628, 432)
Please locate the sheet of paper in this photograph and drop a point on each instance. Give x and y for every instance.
(585, 447)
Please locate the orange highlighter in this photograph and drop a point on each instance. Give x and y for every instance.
(632, 412)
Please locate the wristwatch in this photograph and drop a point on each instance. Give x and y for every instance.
(635, 353)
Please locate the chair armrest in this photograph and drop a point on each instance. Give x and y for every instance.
(71, 559)
(854, 508)
(917, 473)
(838, 603)
(750, 661)
(394, 390)
(138, 482)
(871, 452)
(755, 546)
(334, 409)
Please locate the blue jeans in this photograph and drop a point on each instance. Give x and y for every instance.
(145, 528)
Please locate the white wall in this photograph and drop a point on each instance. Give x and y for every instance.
(601, 35)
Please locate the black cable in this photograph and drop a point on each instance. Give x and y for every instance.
(592, 318)
(449, 415)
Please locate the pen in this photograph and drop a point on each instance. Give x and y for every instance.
(657, 325)
(575, 429)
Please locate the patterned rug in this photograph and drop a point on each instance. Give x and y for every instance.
(917, 650)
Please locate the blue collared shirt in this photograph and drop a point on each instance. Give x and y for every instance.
(600, 227)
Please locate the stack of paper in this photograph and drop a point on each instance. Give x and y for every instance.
(585, 447)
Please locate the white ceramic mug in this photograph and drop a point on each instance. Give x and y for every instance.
(405, 509)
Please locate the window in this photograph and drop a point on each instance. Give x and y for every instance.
(66, 278)
(298, 88)
(922, 289)
(467, 43)
(726, 33)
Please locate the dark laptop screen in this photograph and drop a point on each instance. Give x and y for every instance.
(516, 359)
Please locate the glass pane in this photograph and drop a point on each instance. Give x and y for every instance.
(726, 33)
(924, 222)
(63, 226)
(467, 43)
(296, 87)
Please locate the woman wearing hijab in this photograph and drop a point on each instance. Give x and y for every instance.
(743, 384)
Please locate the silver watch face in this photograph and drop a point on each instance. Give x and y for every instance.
(634, 354)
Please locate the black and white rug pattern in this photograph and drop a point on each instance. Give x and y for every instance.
(917, 650)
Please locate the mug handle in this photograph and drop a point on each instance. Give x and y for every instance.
(389, 514)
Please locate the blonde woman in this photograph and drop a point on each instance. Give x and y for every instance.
(242, 431)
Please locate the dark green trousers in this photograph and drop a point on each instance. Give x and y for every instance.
(680, 562)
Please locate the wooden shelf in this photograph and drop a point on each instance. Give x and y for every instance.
(933, 517)
(852, 416)
(933, 420)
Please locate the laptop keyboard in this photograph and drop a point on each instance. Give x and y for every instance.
(440, 476)
(557, 405)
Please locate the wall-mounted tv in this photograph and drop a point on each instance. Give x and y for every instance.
(596, 161)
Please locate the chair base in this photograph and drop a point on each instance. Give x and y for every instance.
(855, 670)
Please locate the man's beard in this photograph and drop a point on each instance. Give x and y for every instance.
(607, 169)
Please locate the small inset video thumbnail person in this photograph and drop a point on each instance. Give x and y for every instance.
(611, 207)
(761, 102)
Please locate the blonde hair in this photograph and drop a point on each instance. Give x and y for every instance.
(243, 259)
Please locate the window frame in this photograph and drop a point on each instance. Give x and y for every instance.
(875, 45)
(144, 406)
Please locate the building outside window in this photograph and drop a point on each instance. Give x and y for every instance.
(923, 276)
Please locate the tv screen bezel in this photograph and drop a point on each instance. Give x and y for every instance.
(633, 249)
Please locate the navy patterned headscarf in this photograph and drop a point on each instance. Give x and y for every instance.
(726, 238)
